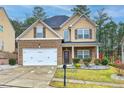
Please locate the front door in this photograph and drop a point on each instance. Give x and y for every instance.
(66, 57)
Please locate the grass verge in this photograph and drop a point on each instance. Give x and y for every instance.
(89, 75)
(76, 85)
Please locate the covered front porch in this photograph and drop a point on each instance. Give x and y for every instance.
(79, 50)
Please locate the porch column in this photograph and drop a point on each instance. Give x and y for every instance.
(72, 51)
(97, 51)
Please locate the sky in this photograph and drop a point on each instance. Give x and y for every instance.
(20, 12)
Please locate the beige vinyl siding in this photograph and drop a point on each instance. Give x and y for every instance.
(49, 34)
(82, 23)
(8, 34)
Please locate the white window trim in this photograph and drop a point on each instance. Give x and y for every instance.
(83, 53)
(68, 35)
(83, 32)
(39, 27)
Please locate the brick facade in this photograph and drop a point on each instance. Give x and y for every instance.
(43, 44)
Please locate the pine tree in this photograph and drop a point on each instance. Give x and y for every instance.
(39, 13)
(83, 9)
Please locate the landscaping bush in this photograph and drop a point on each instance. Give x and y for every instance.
(118, 61)
(87, 61)
(113, 65)
(97, 62)
(77, 65)
(76, 60)
(12, 61)
(105, 61)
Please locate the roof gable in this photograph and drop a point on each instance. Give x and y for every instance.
(33, 25)
(81, 15)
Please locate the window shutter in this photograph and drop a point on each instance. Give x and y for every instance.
(44, 32)
(90, 33)
(76, 34)
(34, 32)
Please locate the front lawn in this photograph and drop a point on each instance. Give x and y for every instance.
(89, 75)
(75, 85)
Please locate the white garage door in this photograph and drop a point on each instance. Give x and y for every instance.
(44, 56)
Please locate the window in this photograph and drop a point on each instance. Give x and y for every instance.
(1, 28)
(86, 53)
(83, 54)
(39, 32)
(83, 33)
(66, 35)
(86, 33)
(80, 54)
(80, 33)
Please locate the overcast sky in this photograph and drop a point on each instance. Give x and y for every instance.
(20, 12)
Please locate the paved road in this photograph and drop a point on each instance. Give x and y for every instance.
(28, 77)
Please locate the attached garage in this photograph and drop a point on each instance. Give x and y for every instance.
(40, 56)
(39, 45)
(39, 52)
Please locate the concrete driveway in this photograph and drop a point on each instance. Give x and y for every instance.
(36, 77)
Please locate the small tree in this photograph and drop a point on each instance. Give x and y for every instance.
(82, 9)
(87, 61)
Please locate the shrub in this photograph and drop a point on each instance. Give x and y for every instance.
(97, 61)
(76, 60)
(113, 65)
(87, 61)
(118, 61)
(77, 65)
(12, 61)
(105, 61)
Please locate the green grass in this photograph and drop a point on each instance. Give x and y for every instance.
(75, 85)
(89, 75)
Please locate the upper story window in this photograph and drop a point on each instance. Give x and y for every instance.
(83, 33)
(83, 54)
(1, 28)
(39, 32)
(86, 33)
(66, 35)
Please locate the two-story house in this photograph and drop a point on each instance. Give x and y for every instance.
(7, 33)
(58, 40)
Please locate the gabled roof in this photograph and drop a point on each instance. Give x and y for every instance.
(59, 21)
(81, 15)
(28, 29)
(55, 21)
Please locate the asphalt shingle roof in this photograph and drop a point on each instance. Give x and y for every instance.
(55, 21)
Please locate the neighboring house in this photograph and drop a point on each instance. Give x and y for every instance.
(7, 33)
(57, 40)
